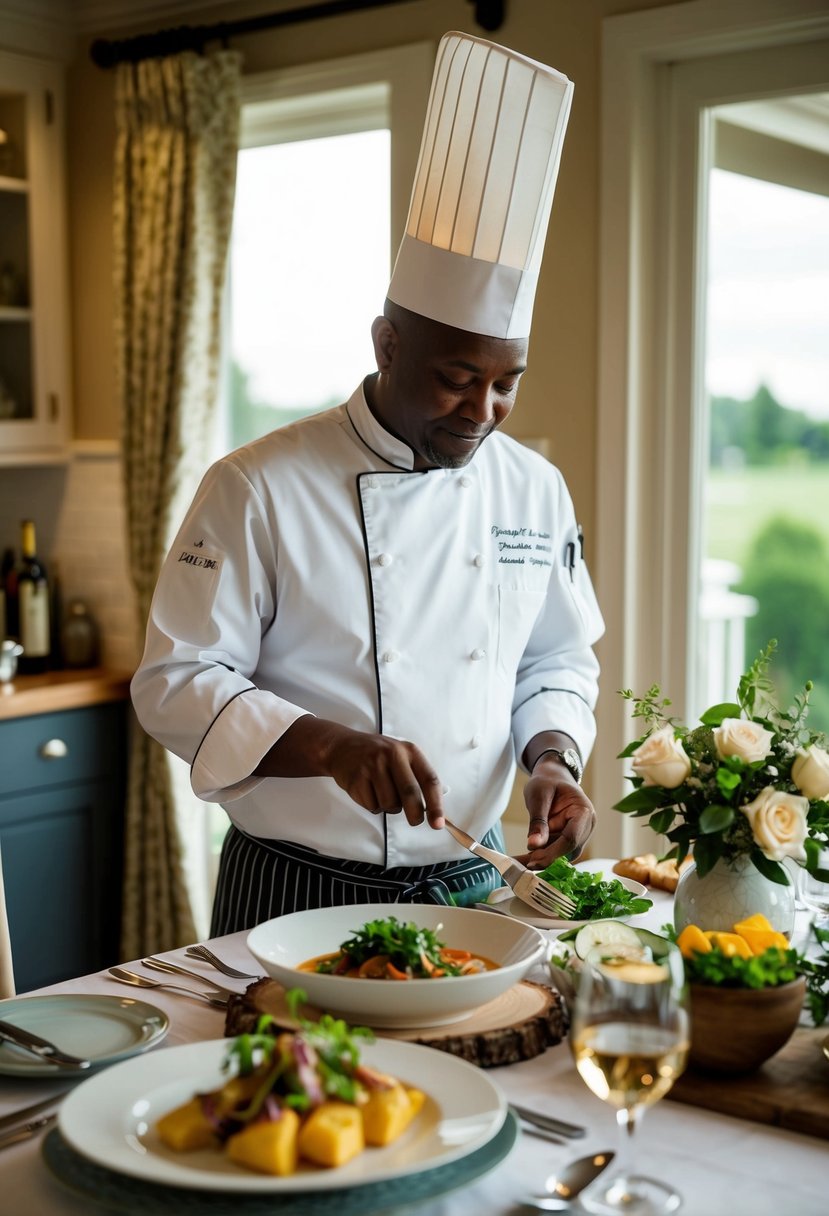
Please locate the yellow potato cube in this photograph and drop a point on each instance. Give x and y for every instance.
(761, 940)
(389, 1112)
(269, 1146)
(332, 1134)
(186, 1128)
(757, 921)
(693, 941)
(731, 944)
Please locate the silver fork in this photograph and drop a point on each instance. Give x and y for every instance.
(161, 964)
(208, 956)
(546, 899)
(142, 981)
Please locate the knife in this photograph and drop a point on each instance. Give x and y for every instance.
(12, 1121)
(571, 1130)
(40, 1047)
(26, 1131)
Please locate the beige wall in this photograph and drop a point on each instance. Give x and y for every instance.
(558, 395)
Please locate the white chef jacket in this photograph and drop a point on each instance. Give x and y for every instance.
(316, 572)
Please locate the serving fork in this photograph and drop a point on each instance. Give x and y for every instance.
(540, 895)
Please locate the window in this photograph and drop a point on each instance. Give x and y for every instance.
(664, 75)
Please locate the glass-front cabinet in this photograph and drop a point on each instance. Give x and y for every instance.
(33, 281)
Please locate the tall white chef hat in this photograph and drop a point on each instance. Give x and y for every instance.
(484, 188)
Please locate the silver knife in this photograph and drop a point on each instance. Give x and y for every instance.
(40, 1047)
(13, 1120)
(26, 1131)
(549, 1123)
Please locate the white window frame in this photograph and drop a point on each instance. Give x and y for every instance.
(649, 373)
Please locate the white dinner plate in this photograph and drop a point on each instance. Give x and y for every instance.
(103, 1029)
(111, 1118)
(505, 901)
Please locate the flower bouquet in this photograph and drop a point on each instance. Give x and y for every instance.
(750, 781)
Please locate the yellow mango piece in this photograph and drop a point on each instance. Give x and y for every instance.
(185, 1128)
(692, 940)
(389, 1112)
(731, 944)
(757, 921)
(761, 940)
(332, 1134)
(268, 1146)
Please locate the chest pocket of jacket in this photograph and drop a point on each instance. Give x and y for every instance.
(517, 613)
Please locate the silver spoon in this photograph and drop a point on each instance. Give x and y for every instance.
(162, 964)
(562, 1188)
(208, 956)
(141, 981)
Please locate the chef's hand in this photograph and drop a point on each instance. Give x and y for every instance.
(561, 815)
(383, 775)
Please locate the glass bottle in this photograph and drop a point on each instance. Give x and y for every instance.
(33, 603)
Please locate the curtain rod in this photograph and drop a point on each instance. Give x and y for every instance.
(106, 53)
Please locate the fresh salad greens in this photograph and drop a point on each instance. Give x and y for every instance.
(596, 897)
(770, 969)
(319, 1060)
(413, 952)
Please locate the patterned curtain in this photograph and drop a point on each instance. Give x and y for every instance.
(177, 122)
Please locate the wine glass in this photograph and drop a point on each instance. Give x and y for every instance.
(630, 1037)
(814, 892)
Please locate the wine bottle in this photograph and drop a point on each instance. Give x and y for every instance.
(33, 604)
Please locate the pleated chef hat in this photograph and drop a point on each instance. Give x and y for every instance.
(483, 191)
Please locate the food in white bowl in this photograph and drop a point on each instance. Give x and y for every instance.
(284, 944)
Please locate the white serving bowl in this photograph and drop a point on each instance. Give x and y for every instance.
(280, 945)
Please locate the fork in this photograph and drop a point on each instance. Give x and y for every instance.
(142, 981)
(208, 956)
(161, 964)
(540, 895)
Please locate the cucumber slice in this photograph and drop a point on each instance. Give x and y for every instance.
(658, 945)
(605, 933)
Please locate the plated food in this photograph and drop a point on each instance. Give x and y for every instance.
(389, 949)
(112, 1120)
(597, 893)
(285, 945)
(300, 1095)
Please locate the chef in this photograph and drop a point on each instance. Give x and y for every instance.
(370, 616)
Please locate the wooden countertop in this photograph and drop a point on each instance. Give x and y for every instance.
(57, 690)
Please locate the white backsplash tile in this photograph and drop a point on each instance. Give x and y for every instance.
(78, 510)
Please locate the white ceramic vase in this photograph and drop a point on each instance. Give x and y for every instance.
(729, 892)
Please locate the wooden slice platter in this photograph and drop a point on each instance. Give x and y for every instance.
(518, 1025)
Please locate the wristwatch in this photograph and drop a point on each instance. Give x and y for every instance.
(570, 758)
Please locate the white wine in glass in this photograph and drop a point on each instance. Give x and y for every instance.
(629, 1037)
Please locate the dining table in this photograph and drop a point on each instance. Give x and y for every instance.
(720, 1165)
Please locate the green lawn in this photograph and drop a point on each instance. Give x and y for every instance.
(740, 502)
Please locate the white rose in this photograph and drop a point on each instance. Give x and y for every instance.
(661, 759)
(810, 772)
(778, 823)
(739, 737)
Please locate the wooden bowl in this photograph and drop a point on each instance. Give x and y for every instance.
(735, 1030)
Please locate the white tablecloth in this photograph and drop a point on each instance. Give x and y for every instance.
(722, 1166)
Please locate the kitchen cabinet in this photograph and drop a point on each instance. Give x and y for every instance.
(62, 793)
(34, 380)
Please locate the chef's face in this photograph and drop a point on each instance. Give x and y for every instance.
(442, 390)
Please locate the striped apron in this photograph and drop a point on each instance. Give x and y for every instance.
(260, 879)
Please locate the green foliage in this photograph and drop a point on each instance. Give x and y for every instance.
(251, 418)
(765, 431)
(787, 571)
(596, 898)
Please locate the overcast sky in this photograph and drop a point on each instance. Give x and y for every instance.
(768, 301)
